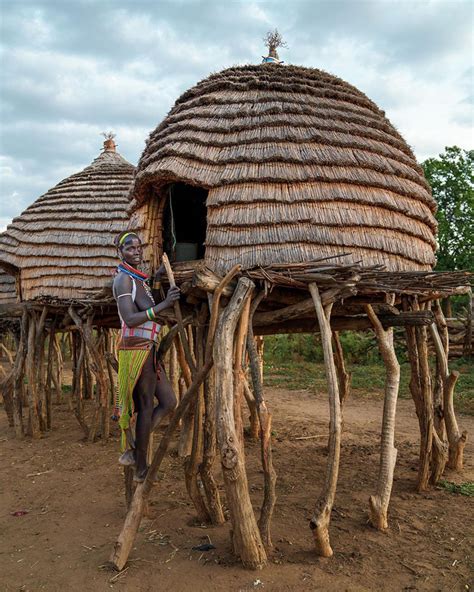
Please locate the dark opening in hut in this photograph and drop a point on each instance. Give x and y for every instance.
(184, 222)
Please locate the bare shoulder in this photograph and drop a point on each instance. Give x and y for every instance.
(122, 284)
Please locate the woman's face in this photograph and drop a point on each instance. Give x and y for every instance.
(132, 251)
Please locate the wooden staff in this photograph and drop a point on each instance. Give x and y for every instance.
(179, 316)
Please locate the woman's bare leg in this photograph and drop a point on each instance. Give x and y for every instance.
(166, 400)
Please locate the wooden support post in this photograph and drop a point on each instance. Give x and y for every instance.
(322, 514)
(39, 368)
(265, 421)
(388, 453)
(343, 377)
(192, 462)
(456, 439)
(49, 376)
(239, 374)
(246, 537)
(254, 428)
(58, 375)
(129, 531)
(33, 419)
(214, 505)
(421, 392)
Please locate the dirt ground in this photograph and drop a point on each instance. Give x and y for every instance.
(72, 493)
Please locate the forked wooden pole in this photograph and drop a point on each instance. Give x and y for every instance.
(388, 453)
(456, 439)
(319, 523)
(129, 531)
(246, 539)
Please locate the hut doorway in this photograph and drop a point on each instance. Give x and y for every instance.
(185, 222)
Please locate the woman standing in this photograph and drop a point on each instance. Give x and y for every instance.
(141, 375)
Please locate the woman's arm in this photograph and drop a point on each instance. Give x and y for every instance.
(127, 308)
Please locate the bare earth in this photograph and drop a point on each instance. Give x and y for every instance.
(73, 495)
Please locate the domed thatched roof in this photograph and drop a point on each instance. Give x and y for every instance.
(299, 164)
(62, 244)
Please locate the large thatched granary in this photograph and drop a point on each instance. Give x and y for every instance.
(268, 163)
(287, 191)
(62, 245)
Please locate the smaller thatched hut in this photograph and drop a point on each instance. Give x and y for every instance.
(60, 251)
(62, 245)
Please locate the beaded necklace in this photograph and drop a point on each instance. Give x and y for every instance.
(136, 274)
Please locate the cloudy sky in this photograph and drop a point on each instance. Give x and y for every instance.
(71, 69)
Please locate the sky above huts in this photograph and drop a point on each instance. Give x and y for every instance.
(71, 69)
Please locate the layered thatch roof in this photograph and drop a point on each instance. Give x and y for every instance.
(7, 288)
(62, 245)
(299, 164)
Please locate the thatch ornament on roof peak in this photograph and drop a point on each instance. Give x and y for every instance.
(109, 144)
(273, 40)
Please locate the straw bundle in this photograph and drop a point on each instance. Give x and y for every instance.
(62, 245)
(298, 164)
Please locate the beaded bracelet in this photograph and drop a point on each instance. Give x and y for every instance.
(150, 313)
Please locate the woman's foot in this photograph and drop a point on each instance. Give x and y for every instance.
(128, 458)
(140, 476)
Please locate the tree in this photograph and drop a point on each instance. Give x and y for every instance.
(451, 177)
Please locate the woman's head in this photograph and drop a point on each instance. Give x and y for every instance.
(129, 246)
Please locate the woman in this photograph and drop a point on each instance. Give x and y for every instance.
(141, 375)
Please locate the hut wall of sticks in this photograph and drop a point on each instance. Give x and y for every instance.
(59, 255)
(315, 216)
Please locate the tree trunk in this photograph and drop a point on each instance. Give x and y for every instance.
(322, 514)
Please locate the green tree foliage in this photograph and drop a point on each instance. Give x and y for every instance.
(451, 177)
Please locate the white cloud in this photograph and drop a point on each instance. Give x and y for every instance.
(71, 70)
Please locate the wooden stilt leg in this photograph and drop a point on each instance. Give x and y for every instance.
(265, 421)
(18, 377)
(209, 453)
(246, 539)
(388, 453)
(456, 439)
(191, 465)
(322, 514)
(420, 388)
(33, 419)
(343, 377)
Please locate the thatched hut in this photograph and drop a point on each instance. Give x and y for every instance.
(61, 253)
(61, 246)
(286, 191)
(283, 164)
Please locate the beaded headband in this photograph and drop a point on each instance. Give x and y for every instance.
(122, 240)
